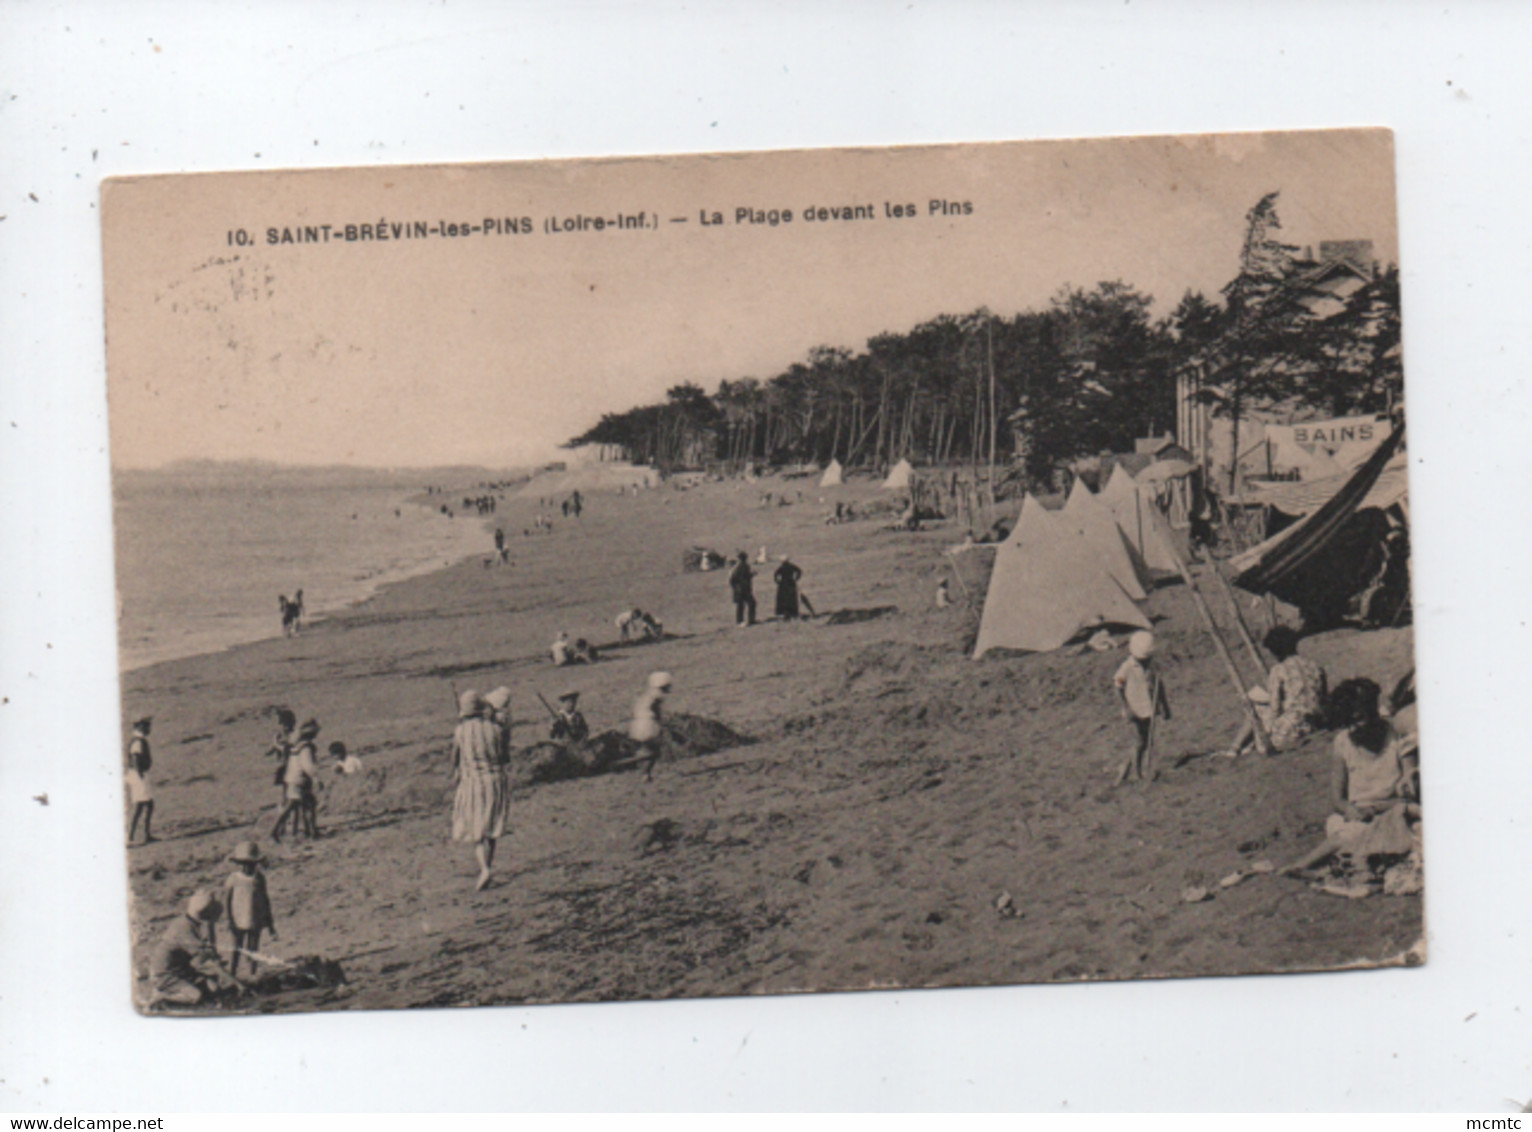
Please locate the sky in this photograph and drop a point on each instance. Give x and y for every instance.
(493, 348)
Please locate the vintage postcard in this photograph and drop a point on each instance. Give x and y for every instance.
(763, 572)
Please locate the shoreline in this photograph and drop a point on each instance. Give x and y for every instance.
(368, 588)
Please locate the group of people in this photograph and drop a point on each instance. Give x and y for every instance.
(1374, 782)
(292, 613)
(635, 624)
(185, 967)
(298, 776)
(789, 601)
(481, 754)
(565, 652)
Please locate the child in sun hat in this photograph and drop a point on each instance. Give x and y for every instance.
(1142, 696)
(498, 703)
(184, 967)
(569, 725)
(249, 906)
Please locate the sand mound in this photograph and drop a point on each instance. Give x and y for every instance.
(884, 662)
(857, 616)
(686, 736)
(554, 762)
(692, 735)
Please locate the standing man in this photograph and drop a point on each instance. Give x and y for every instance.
(742, 586)
(137, 775)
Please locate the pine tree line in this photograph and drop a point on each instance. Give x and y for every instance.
(1089, 373)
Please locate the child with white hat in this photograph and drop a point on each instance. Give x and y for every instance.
(184, 967)
(647, 728)
(1142, 696)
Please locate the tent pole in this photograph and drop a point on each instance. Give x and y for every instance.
(958, 574)
(1239, 616)
(1138, 513)
(1218, 642)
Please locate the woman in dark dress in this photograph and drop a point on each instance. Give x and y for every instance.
(786, 577)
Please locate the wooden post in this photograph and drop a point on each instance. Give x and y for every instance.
(1218, 642)
(1239, 617)
(989, 339)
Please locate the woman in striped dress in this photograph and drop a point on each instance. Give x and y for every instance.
(483, 800)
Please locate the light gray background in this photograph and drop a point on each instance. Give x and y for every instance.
(179, 86)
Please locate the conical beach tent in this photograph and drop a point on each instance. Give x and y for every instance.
(1131, 506)
(1046, 587)
(1321, 466)
(832, 476)
(1093, 522)
(899, 476)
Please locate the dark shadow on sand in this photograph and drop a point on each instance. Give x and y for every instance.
(857, 616)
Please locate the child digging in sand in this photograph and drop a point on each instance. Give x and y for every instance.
(244, 894)
(1142, 696)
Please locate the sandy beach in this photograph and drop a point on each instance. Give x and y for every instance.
(890, 792)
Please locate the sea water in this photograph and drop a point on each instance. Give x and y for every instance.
(203, 556)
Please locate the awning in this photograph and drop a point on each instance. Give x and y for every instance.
(1305, 498)
(1171, 468)
(1263, 568)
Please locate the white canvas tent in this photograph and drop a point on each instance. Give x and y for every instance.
(1046, 587)
(899, 476)
(1315, 465)
(832, 476)
(1131, 506)
(1092, 521)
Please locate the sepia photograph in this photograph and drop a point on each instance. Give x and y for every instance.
(759, 573)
